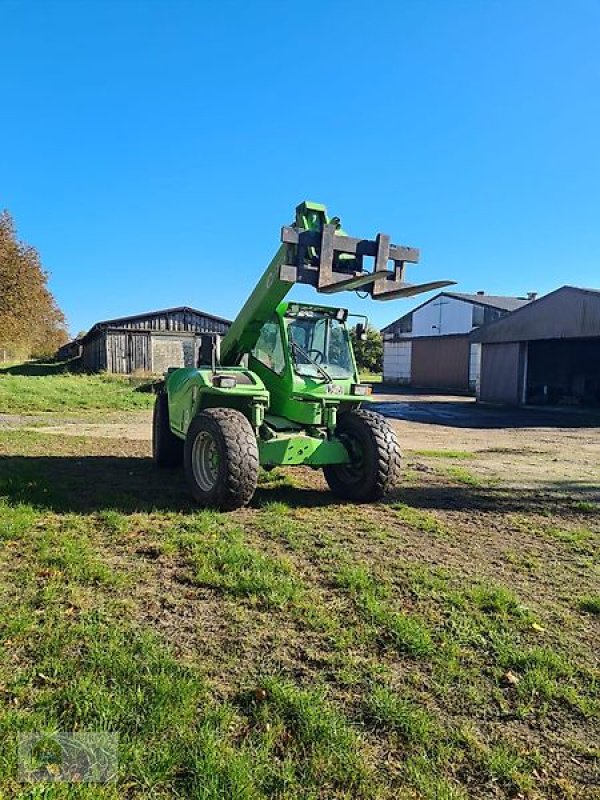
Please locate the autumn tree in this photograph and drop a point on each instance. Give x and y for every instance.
(31, 323)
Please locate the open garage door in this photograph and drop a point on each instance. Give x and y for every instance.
(564, 371)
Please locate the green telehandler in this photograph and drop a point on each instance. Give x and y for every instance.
(282, 387)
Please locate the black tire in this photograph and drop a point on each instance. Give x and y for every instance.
(167, 449)
(376, 450)
(221, 459)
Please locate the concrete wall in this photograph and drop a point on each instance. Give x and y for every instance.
(397, 361)
(173, 351)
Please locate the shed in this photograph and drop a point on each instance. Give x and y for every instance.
(547, 352)
(70, 350)
(430, 346)
(149, 343)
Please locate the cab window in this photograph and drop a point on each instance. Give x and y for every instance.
(269, 348)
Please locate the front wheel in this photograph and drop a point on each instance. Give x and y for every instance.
(221, 459)
(375, 453)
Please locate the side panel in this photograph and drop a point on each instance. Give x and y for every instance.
(501, 370)
(474, 367)
(441, 363)
(191, 390)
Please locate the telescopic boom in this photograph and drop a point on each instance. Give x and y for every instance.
(316, 251)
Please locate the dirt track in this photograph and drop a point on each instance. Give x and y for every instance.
(521, 448)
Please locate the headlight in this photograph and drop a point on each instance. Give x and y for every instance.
(360, 389)
(224, 381)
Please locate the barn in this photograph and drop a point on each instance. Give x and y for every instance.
(545, 353)
(430, 347)
(149, 343)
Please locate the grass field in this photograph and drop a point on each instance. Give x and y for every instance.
(441, 644)
(34, 387)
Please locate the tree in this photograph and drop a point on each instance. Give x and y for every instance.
(368, 353)
(31, 323)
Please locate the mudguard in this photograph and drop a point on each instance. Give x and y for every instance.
(192, 390)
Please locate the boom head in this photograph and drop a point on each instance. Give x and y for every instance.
(315, 250)
(320, 253)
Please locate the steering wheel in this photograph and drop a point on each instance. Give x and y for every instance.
(317, 357)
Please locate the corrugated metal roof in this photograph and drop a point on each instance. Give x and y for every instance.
(119, 321)
(115, 322)
(566, 313)
(502, 302)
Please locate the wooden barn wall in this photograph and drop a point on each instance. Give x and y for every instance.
(94, 353)
(176, 321)
(149, 344)
(128, 352)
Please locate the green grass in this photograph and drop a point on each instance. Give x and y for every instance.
(21, 394)
(405, 632)
(590, 604)
(462, 475)
(586, 506)
(35, 368)
(387, 709)
(452, 454)
(578, 539)
(89, 668)
(15, 520)
(420, 520)
(224, 561)
(279, 728)
(242, 572)
(300, 648)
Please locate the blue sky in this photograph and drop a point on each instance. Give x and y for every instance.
(151, 150)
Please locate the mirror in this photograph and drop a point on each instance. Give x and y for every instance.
(360, 332)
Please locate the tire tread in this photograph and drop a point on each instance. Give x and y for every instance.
(387, 461)
(241, 469)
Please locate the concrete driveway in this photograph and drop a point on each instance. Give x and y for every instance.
(463, 412)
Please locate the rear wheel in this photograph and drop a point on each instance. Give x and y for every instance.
(167, 449)
(221, 458)
(375, 465)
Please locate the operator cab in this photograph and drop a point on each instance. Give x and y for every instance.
(304, 357)
(309, 342)
(318, 343)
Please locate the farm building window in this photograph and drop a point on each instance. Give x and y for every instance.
(483, 315)
(478, 316)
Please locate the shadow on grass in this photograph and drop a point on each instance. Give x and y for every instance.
(40, 368)
(129, 484)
